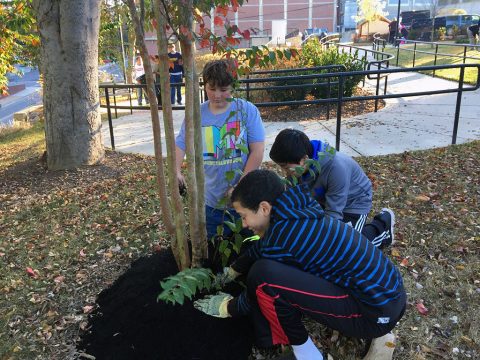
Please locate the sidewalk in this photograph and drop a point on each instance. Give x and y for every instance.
(411, 123)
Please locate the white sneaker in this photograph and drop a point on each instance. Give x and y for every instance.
(381, 348)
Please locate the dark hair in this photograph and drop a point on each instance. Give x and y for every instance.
(258, 186)
(218, 73)
(291, 146)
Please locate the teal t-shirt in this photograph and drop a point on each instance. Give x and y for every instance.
(221, 152)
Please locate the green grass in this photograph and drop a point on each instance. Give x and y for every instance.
(18, 143)
(406, 60)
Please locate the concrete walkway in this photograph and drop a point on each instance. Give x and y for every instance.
(409, 123)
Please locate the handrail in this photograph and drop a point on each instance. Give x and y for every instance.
(339, 99)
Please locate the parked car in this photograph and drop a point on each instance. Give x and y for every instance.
(408, 17)
(424, 26)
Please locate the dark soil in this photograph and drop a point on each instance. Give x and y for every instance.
(130, 324)
(321, 111)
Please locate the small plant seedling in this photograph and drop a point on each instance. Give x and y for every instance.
(184, 284)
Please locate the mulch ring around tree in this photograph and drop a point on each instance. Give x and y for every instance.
(320, 111)
(130, 324)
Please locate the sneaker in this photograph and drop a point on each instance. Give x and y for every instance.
(381, 348)
(179, 103)
(387, 238)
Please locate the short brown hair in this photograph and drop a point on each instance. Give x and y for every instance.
(219, 73)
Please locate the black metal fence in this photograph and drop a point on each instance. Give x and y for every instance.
(333, 80)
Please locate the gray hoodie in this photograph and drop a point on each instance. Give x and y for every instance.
(342, 186)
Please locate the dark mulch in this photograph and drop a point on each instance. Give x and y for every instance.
(130, 324)
(321, 111)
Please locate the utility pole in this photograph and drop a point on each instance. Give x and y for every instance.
(398, 24)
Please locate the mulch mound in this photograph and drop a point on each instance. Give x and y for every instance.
(321, 111)
(130, 324)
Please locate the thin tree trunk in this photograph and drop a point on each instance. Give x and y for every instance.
(194, 145)
(173, 230)
(69, 63)
(180, 246)
(201, 249)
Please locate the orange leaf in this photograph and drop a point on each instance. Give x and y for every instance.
(404, 262)
(222, 10)
(218, 21)
(204, 43)
(422, 309)
(231, 40)
(235, 5)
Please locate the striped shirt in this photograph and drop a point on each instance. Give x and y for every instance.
(301, 235)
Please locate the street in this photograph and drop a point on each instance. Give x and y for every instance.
(23, 99)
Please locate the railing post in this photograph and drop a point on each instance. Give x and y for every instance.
(248, 88)
(328, 97)
(398, 53)
(457, 106)
(130, 99)
(109, 114)
(464, 53)
(339, 112)
(414, 53)
(114, 101)
(435, 60)
(377, 89)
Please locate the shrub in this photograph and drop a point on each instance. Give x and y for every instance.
(314, 55)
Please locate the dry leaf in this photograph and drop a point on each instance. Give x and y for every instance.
(422, 198)
(422, 309)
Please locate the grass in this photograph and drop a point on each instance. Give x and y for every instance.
(66, 235)
(406, 60)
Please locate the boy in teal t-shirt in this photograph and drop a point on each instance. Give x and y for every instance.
(221, 153)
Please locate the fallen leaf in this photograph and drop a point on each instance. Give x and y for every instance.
(87, 308)
(422, 198)
(421, 308)
(395, 253)
(404, 262)
(59, 279)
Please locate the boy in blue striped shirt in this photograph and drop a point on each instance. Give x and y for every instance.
(307, 263)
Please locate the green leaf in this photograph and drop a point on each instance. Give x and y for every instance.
(223, 246)
(178, 296)
(280, 54)
(232, 226)
(243, 148)
(299, 170)
(287, 54)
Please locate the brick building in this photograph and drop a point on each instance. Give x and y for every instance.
(258, 15)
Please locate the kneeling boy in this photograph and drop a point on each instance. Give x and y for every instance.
(307, 263)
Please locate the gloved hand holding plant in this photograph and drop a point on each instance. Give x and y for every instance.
(226, 277)
(214, 305)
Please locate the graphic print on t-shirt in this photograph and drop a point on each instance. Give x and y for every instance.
(216, 142)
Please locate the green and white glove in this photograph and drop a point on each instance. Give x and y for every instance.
(226, 277)
(214, 305)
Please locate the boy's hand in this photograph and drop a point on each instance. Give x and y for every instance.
(226, 277)
(214, 305)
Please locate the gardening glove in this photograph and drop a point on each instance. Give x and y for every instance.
(214, 305)
(226, 277)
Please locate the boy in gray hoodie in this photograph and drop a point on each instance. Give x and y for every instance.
(336, 181)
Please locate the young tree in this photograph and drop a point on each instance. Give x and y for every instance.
(69, 64)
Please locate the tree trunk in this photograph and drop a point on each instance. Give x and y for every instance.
(69, 32)
(157, 135)
(179, 246)
(194, 145)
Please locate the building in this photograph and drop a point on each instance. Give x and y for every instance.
(258, 15)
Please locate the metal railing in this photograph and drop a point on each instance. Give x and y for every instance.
(463, 55)
(339, 79)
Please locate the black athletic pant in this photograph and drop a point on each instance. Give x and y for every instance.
(281, 295)
(373, 231)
